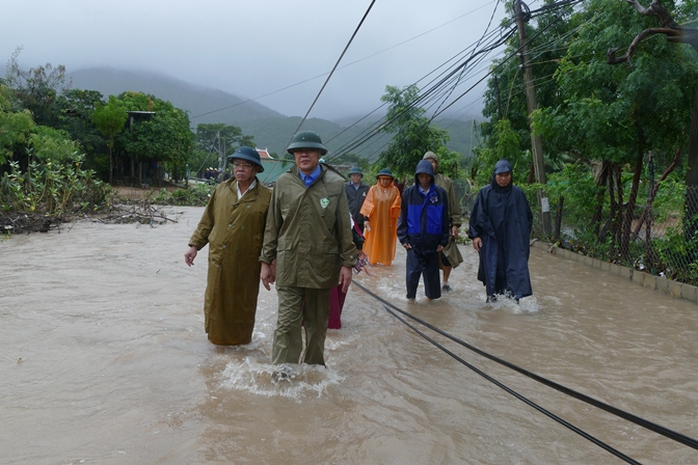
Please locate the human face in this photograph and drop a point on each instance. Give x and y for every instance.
(244, 171)
(355, 178)
(503, 179)
(385, 181)
(306, 159)
(424, 180)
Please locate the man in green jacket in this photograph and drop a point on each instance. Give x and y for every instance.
(309, 235)
(233, 226)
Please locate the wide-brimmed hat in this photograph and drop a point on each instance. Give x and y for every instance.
(249, 154)
(307, 140)
(356, 170)
(385, 172)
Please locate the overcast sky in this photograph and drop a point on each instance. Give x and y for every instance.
(251, 48)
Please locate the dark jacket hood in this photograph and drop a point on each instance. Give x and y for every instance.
(424, 166)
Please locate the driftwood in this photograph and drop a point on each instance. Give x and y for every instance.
(19, 223)
(142, 212)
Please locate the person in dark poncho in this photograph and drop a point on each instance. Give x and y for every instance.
(500, 227)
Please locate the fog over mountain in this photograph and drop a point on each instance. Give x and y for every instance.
(278, 53)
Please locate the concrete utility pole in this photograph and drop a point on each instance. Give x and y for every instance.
(531, 103)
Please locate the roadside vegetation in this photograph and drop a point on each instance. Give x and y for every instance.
(614, 115)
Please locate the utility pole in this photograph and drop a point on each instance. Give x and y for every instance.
(531, 103)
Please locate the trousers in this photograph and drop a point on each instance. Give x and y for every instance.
(301, 307)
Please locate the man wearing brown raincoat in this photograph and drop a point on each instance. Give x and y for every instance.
(233, 226)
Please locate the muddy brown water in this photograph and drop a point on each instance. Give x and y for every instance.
(104, 360)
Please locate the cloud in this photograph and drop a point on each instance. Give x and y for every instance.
(254, 47)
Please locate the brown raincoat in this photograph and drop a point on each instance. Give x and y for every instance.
(454, 218)
(234, 230)
(382, 209)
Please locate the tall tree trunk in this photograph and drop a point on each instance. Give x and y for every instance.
(632, 200)
(653, 193)
(597, 217)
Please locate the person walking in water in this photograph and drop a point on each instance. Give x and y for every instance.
(500, 227)
(423, 231)
(233, 225)
(381, 210)
(450, 257)
(309, 234)
(356, 194)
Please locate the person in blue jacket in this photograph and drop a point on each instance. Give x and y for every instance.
(500, 227)
(423, 229)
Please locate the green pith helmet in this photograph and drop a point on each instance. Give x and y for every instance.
(385, 172)
(306, 140)
(356, 170)
(248, 154)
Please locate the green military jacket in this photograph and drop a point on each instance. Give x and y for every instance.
(308, 231)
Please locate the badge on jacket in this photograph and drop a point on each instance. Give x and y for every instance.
(324, 202)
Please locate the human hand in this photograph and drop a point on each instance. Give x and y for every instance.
(367, 225)
(190, 255)
(477, 244)
(439, 248)
(454, 231)
(267, 275)
(407, 246)
(345, 278)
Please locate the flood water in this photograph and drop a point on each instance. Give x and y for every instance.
(104, 360)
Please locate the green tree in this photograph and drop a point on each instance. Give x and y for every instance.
(155, 141)
(505, 98)
(412, 133)
(37, 89)
(77, 109)
(507, 144)
(221, 138)
(675, 34)
(616, 115)
(51, 145)
(110, 119)
(15, 126)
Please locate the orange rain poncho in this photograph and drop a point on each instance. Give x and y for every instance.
(382, 209)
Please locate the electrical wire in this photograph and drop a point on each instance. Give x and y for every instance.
(522, 398)
(678, 437)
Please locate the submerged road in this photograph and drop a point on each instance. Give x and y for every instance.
(104, 360)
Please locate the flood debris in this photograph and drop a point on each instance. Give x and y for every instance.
(142, 212)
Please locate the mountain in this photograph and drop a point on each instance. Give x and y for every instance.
(271, 130)
(205, 105)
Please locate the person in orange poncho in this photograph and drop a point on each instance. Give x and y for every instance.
(382, 210)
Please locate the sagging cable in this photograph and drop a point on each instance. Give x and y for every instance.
(522, 398)
(659, 429)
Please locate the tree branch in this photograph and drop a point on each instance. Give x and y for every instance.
(669, 28)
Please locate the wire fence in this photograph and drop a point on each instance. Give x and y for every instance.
(657, 237)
